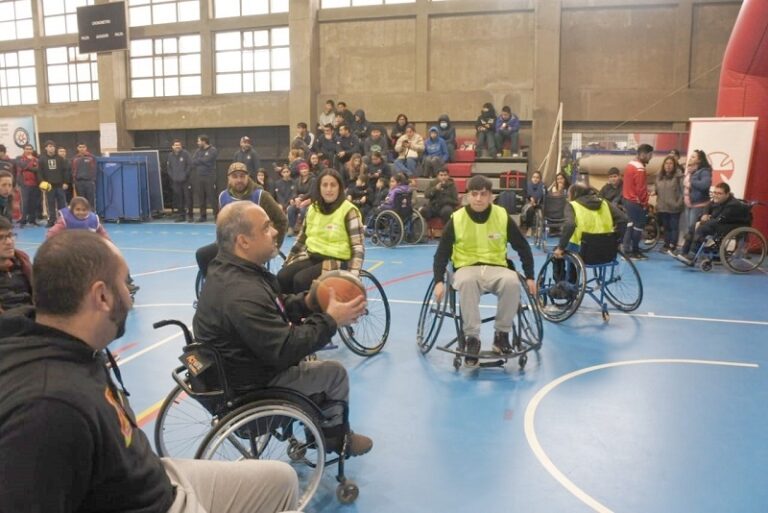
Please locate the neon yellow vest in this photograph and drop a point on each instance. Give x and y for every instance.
(591, 221)
(327, 233)
(480, 243)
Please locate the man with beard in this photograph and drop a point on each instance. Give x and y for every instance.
(67, 427)
(247, 155)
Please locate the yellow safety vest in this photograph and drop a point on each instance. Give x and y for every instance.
(591, 221)
(480, 242)
(327, 233)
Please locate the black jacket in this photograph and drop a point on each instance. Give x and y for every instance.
(592, 202)
(68, 437)
(445, 195)
(258, 332)
(731, 211)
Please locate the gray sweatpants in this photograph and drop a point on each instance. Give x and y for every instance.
(248, 486)
(473, 281)
(315, 377)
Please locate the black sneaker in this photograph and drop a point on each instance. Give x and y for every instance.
(501, 343)
(473, 347)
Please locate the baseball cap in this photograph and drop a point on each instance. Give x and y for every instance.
(235, 167)
(245, 140)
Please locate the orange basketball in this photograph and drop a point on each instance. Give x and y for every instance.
(345, 285)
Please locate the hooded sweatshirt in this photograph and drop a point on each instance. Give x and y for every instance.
(61, 410)
(487, 119)
(435, 147)
(360, 128)
(592, 202)
(446, 130)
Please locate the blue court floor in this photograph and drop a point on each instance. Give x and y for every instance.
(661, 410)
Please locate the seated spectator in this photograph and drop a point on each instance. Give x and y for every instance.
(435, 154)
(560, 186)
(353, 169)
(285, 189)
(263, 335)
(380, 192)
(332, 237)
(295, 158)
(485, 126)
(534, 198)
(448, 134)
(723, 214)
(6, 195)
(316, 165)
(346, 114)
(304, 139)
(409, 148)
(507, 128)
(359, 194)
(376, 142)
(338, 121)
(611, 191)
(398, 130)
(360, 126)
(261, 179)
(68, 427)
(347, 145)
(325, 146)
(669, 201)
(398, 184)
(378, 168)
(15, 271)
(326, 117)
(442, 198)
(298, 206)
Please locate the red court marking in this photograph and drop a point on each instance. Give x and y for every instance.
(508, 414)
(406, 277)
(124, 348)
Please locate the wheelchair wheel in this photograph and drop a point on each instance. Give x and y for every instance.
(181, 425)
(431, 319)
(623, 286)
(743, 249)
(416, 228)
(651, 234)
(199, 282)
(561, 285)
(538, 227)
(368, 335)
(530, 326)
(271, 429)
(388, 229)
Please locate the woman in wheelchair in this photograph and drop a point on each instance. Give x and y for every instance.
(475, 240)
(332, 237)
(723, 214)
(263, 336)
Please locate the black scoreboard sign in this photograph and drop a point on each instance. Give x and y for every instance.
(102, 28)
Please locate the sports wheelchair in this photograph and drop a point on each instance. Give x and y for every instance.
(368, 335)
(527, 332)
(203, 419)
(599, 270)
(390, 227)
(548, 218)
(741, 249)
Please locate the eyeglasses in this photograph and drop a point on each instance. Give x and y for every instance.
(8, 236)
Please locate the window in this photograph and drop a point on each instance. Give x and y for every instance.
(230, 8)
(330, 4)
(17, 78)
(155, 12)
(16, 20)
(253, 61)
(165, 66)
(60, 16)
(72, 77)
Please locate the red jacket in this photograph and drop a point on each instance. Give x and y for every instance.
(635, 187)
(28, 169)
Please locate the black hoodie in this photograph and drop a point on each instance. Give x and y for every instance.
(448, 134)
(487, 119)
(592, 202)
(68, 437)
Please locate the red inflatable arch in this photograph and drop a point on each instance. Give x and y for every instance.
(744, 92)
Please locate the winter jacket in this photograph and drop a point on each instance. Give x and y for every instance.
(84, 168)
(701, 181)
(612, 193)
(487, 119)
(15, 281)
(448, 134)
(179, 166)
(445, 195)
(284, 191)
(381, 145)
(360, 128)
(513, 125)
(250, 159)
(435, 147)
(669, 194)
(204, 161)
(348, 145)
(635, 187)
(28, 171)
(326, 147)
(415, 149)
(731, 211)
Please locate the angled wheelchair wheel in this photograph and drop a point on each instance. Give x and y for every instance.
(181, 425)
(368, 335)
(431, 319)
(743, 249)
(388, 229)
(538, 227)
(199, 282)
(271, 429)
(651, 234)
(623, 286)
(561, 285)
(415, 228)
(530, 326)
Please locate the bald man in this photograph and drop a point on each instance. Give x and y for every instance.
(263, 336)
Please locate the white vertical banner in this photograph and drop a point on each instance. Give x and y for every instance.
(728, 144)
(16, 132)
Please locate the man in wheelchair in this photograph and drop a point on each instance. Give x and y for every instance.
(723, 214)
(475, 240)
(262, 336)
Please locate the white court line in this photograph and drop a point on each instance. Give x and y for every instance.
(530, 415)
(154, 346)
(122, 248)
(148, 273)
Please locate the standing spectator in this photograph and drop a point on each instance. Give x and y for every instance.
(304, 140)
(62, 151)
(28, 178)
(84, 173)
(377, 141)
(507, 128)
(435, 153)
(15, 271)
(612, 190)
(669, 201)
(485, 126)
(635, 200)
(398, 129)
(697, 181)
(247, 155)
(346, 145)
(179, 167)
(325, 146)
(345, 113)
(6, 195)
(409, 147)
(53, 170)
(442, 196)
(326, 117)
(204, 173)
(448, 134)
(360, 125)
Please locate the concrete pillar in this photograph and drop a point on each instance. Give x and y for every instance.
(546, 77)
(422, 46)
(305, 63)
(681, 71)
(113, 90)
